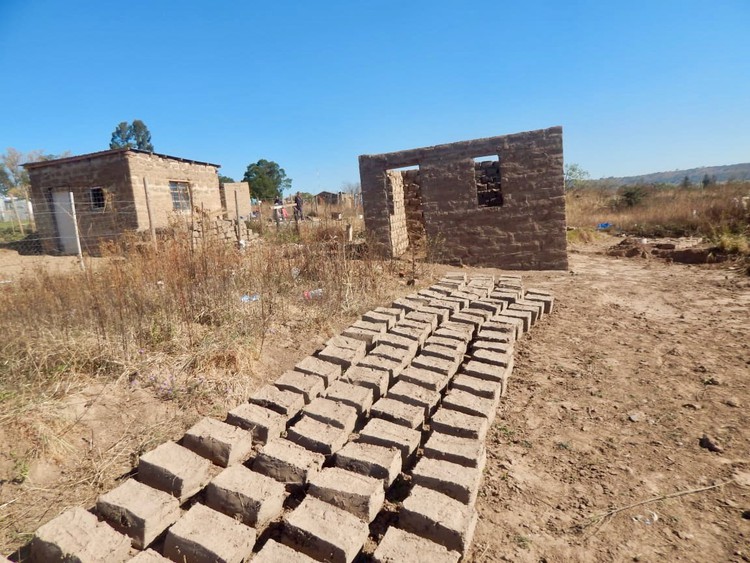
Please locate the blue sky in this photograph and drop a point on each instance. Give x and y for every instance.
(638, 86)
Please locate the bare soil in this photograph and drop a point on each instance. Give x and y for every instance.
(609, 399)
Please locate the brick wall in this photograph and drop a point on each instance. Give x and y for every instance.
(460, 203)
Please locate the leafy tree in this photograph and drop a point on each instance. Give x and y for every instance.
(225, 179)
(14, 180)
(574, 176)
(633, 195)
(267, 180)
(133, 136)
(686, 182)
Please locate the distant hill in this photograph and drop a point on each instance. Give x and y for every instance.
(718, 173)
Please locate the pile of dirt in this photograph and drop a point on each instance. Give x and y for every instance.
(632, 247)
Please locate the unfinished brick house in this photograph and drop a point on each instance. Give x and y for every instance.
(495, 202)
(109, 190)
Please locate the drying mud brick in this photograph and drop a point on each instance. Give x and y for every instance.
(442, 313)
(471, 404)
(246, 495)
(359, 494)
(378, 317)
(398, 546)
(344, 357)
(400, 354)
(425, 378)
(541, 296)
(523, 316)
(377, 380)
(480, 387)
(264, 424)
(480, 312)
(493, 345)
(307, 385)
(507, 295)
(526, 307)
(383, 433)
(287, 462)
(393, 368)
(218, 441)
(410, 345)
(353, 395)
(175, 470)
(275, 552)
(76, 535)
(324, 532)
(493, 306)
(438, 351)
(313, 365)
(318, 436)
(382, 463)
(471, 319)
(438, 365)
(451, 479)
(455, 423)
(490, 372)
(138, 511)
(441, 302)
(287, 403)
(394, 312)
(417, 395)
(367, 336)
(373, 326)
(148, 556)
(439, 518)
(463, 451)
(398, 412)
(457, 345)
(467, 329)
(409, 304)
(203, 535)
(419, 316)
(504, 335)
(333, 413)
(453, 334)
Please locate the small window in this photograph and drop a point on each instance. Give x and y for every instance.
(97, 199)
(487, 178)
(180, 192)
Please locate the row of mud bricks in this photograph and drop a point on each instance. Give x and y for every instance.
(371, 449)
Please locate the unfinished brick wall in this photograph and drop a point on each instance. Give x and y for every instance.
(496, 202)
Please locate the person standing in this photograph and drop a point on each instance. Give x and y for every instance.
(298, 215)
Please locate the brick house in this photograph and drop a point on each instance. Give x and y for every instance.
(109, 191)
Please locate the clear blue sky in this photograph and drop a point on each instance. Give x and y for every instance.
(639, 86)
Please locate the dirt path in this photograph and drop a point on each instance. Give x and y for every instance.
(610, 397)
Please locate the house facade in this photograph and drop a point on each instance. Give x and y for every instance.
(112, 192)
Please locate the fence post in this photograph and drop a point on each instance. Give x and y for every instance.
(18, 217)
(75, 226)
(237, 214)
(151, 226)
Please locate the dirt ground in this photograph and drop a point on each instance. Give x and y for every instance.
(609, 399)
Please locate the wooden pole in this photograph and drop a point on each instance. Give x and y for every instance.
(151, 226)
(75, 226)
(237, 214)
(18, 217)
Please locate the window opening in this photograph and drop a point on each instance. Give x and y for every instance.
(180, 192)
(97, 199)
(488, 182)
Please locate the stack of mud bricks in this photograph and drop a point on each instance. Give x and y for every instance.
(224, 230)
(413, 206)
(396, 408)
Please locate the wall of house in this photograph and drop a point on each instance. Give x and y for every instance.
(463, 224)
(228, 200)
(106, 171)
(158, 171)
(399, 238)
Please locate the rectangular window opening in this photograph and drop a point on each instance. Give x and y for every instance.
(97, 199)
(488, 181)
(180, 192)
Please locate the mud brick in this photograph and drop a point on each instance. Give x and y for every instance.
(244, 494)
(425, 378)
(392, 367)
(490, 372)
(359, 494)
(410, 345)
(379, 326)
(441, 352)
(353, 395)
(366, 336)
(218, 441)
(398, 546)
(546, 301)
(454, 423)
(409, 304)
(493, 357)
(309, 386)
(398, 412)
(458, 345)
(468, 403)
(324, 532)
(439, 518)
(382, 463)
(477, 292)
(445, 288)
(274, 552)
(457, 277)
(463, 451)
(493, 334)
(148, 556)
(430, 293)
(377, 380)
(421, 316)
(138, 511)
(333, 413)
(460, 301)
(400, 354)
(174, 470)
(475, 321)
(287, 403)
(538, 306)
(383, 433)
(264, 424)
(525, 306)
(76, 535)
(466, 329)
(480, 312)
(394, 312)
(318, 436)
(345, 357)
(347, 343)
(416, 333)
(449, 333)
(287, 462)
(438, 365)
(492, 345)
(462, 294)
(377, 317)
(416, 395)
(492, 306)
(480, 387)
(451, 479)
(327, 371)
(203, 534)
(507, 295)
(524, 316)
(446, 305)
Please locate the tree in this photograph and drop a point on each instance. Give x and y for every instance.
(686, 182)
(267, 180)
(225, 179)
(574, 176)
(14, 179)
(133, 136)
